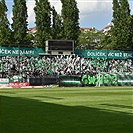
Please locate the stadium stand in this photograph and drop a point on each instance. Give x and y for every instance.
(41, 66)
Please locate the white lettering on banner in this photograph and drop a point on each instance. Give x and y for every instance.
(111, 54)
(120, 54)
(21, 52)
(96, 54)
(13, 51)
(127, 54)
(31, 52)
(26, 52)
(17, 51)
(7, 51)
(2, 51)
(117, 54)
(89, 54)
(100, 54)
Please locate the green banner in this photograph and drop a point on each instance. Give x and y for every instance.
(16, 51)
(106, 54)
(101, 79)
(107, 79)
(126, 79)
(70, 80)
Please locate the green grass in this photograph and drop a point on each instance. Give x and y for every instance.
(67, 110)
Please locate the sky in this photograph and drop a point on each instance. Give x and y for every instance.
(92, 13)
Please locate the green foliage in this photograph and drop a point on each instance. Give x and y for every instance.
(120, 36)
(30, 40)
(90, 39)
(0, 8)
(5, 32)
(131, 29)
(57, 26)
(43, 22)
(106, 42)
(20, 23)
(70, 15)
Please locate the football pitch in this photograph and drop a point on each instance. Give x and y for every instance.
(67, 110)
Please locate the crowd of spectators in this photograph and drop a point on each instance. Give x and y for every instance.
(41, 66)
